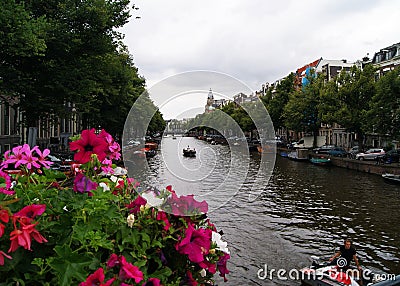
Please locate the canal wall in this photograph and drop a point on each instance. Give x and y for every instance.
(366, 166)
(370, 167)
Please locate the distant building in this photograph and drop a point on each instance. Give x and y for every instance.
(386, 59)
(241, 98)
(212, 103)
(9, 124)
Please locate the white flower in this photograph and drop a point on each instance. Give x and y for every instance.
(104, 186)
(151, 199)
(130, 220)
(221, 245)
(113, 179)
(65, 208)
(118, 171)
(203, 272)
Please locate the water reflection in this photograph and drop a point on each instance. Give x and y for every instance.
(304, 210)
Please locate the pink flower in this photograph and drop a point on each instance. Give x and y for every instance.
(16, 156)
(195, 244)
(97, 278)
(2, 255)
(129, 271)
(42, 157)
(28, 159)
(83, 184)
(190, 281)
(113, 147)
(152, 282)
(89, 144)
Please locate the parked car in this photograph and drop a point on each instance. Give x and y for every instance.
(353, 152)
(370, 154)
(338, 152)
(323, 149)
(391, 156)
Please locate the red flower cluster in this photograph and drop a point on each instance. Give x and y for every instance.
(101, 145)
(126, 271)
(24, 228)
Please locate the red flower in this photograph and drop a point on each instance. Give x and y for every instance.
(195, 244)
(97, 278)
(89, 144)
(2, 227)
(19, 238)
(31, 211)
(4, 216)
(163, 216)
(2, 255)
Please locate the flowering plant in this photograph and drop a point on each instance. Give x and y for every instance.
(91, 226)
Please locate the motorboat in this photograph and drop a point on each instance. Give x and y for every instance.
(331, 275)
(188, 152)
(391, 178)
(320, 159)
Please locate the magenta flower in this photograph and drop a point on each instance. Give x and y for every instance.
(89, 144)
(113, 147)
(152, 282)
(7, 180)
(163, 216)
(186, 205)
(83, 184)
(223, 270)
(16, 156)
(129, 271)
(195, 244)
(97, 278)
(113, 261)
(134, 207)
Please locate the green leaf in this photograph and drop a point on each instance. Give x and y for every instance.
(70, 265)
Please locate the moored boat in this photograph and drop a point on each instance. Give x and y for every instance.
(391, 178)
(320, 159)
(298, 155)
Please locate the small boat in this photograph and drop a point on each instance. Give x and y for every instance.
(298, 155)
(188, 152)
(320, 159)
(330, 275)
(391, 178)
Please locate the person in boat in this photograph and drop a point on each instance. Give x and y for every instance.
(348, 253)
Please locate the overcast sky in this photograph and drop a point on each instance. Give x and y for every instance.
(255, 41)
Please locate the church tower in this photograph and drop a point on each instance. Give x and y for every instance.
(210, 101)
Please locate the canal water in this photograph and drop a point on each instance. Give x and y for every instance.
(302, 211)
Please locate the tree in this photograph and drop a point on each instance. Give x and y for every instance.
(356, 88)
(302, 112)
(384, 113)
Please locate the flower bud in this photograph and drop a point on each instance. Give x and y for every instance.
(130, 220)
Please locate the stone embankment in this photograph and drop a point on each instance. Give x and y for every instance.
(366, 166)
